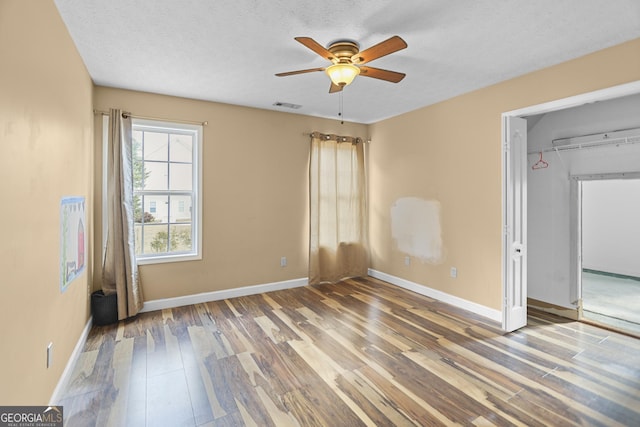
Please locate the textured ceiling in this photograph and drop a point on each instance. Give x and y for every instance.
(229, 50)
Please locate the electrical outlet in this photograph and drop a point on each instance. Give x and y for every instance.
(407, 260)
(454, 272)
(49, 355)
(283, 261)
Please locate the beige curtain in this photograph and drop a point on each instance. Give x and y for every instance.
(338, 245)
(119, 268)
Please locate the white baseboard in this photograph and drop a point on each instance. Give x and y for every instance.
(473, 307)
(71, 363)
(479, 309)
(160, 304)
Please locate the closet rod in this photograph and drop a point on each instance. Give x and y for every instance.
(133, 116)
(623, 141)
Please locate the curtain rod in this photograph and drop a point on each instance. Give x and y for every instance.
(311, 134)
(133, 116)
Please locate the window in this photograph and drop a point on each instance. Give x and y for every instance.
(337, 207)
(166, 180)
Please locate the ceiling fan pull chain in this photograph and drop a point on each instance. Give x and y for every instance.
(340, 109)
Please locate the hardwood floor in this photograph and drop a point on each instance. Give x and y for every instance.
(361, 352)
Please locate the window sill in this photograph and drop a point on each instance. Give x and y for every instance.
(168, 258)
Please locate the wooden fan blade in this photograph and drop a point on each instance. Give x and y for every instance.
(379, 73)
(386, 47)
(335, 88)
(291, 73)
(316, 47)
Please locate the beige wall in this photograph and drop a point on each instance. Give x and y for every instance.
(255, 166)
(450, 152)
(255, 186)
(45, 154)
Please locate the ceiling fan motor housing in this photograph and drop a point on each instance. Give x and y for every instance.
(343, 50)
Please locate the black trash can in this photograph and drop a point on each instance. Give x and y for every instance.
(104, 308)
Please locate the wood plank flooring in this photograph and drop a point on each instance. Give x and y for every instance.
(361, 352)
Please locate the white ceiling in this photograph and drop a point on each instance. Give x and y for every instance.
(229, 50)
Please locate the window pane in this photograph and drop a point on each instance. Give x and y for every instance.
(156, 146)
(138, 228)
(138, 174)
(151, 239)
(156, 239)
(181, 177)
(156, 176)
(137, 144)
(180, 238)
(181, 148)
(138, 166)
(137, 208)
(180, 209)
(156, 209)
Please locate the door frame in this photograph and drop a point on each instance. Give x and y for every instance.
(618, 91)
(576, 227)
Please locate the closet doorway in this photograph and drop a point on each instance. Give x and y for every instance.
(547, 258)
(548, 270)
(609, 230)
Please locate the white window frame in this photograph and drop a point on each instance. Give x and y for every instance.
(196, 207)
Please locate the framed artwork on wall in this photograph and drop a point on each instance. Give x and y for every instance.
(72, 239)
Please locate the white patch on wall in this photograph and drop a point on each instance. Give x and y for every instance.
(416, 228)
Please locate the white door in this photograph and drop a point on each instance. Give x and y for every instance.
(514, 247)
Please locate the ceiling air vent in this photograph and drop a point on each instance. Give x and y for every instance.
(287, 105)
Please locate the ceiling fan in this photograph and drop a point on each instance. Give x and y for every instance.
(348, 61)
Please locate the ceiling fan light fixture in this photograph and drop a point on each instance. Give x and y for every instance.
(342, 74)
(347, 60)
